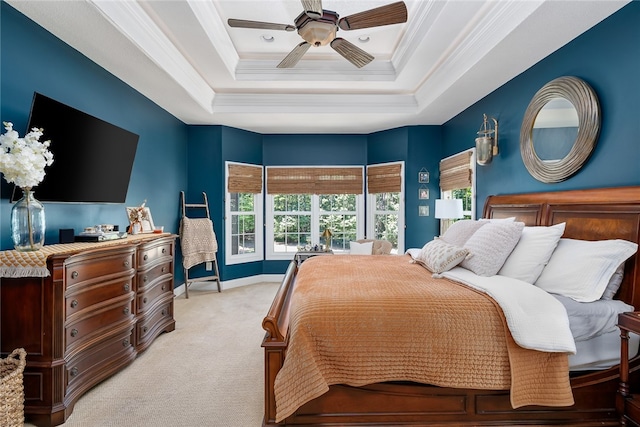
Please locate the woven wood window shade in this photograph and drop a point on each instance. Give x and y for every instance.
(384, 179)
(244, 179)
(314, 180)
(455, 172)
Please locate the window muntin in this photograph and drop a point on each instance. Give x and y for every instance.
(243, 223)
(291, 222)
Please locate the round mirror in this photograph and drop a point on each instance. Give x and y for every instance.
(560, 129)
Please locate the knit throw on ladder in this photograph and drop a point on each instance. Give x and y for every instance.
(197, 241)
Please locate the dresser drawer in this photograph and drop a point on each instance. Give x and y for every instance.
(154, 322)
(160, 272)
(101, 359)
(159, 290)
(99, 266)
(99, 321)
(150, 253)
(85, 297)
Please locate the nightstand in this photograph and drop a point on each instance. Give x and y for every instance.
(303, 255)
(627, 404)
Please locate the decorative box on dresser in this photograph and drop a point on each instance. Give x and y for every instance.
(100, 305)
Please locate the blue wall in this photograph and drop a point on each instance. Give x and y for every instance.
(33, 60)
(173, 156)
(608, 58)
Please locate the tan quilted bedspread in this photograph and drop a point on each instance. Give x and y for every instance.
(360, 320)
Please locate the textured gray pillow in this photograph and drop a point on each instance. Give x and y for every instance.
(439, 256)
(460, 231)
(490, 246)
(614, 283)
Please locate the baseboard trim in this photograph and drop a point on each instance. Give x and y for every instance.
(229, 284)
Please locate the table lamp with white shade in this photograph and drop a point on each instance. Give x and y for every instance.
(448, 209)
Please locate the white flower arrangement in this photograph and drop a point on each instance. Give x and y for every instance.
(22, 160)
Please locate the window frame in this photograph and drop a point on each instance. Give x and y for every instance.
(371, 208)
(271, 255)
(258, 212)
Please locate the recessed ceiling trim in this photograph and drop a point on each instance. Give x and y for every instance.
(423, 15)
(314, 103)
(215, 28)
(132, 21)
(492, 23)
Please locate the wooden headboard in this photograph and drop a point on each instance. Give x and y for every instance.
(595, 214)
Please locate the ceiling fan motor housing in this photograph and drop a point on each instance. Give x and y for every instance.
(318, 31)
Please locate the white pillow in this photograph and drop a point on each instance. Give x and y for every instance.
(532, 252)
(581, 269)
(491, 245)
(440, 256)
(511, 218)
(460, 231)
(356, 248)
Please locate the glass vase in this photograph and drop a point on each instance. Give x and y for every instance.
(27, 223)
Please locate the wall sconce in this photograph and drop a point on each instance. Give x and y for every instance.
(327, 239)
(487, 142)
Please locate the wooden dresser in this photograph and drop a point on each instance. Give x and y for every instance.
(100, 306)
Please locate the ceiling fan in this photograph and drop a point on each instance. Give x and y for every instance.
(318, 27)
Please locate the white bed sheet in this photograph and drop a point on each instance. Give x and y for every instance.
(594, 328)
(601, 352)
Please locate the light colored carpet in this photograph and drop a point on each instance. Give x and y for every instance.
(208, 372)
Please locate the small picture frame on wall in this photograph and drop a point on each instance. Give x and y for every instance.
(423, 177)
(423, 210)
(423, 194)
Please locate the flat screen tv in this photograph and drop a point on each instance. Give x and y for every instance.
(92, 159)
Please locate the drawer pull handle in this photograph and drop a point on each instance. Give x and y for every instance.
(125, 342)
(74, 303)
(74, 275)
(126, 263)
(164, 250)
(126, 287)
(145, 257)
(164, 311)
(74, 333)
(126, 310)
(164, 269)
(145, 329)
(144, 300)
(164, 287)
(144, 279)
(73, 372)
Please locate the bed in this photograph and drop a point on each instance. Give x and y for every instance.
(589, 215)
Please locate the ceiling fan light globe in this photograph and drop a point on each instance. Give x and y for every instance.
(317, 33)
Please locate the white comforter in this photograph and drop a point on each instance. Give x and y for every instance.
(536, 319)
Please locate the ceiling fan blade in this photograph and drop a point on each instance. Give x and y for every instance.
(313, 8)
(394, 13)
(351, 52)
(294, 56)
(242, 23)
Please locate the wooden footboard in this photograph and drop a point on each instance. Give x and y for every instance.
(590, 214)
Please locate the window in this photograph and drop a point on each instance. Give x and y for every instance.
(457, 181)
(385, 198)
(243, 206)
(302, 202)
